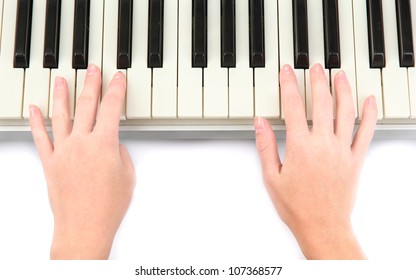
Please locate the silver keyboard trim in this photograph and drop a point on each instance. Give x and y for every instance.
(213, 131)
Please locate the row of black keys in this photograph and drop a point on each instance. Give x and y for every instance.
(199, 34)
(377, 52)
(125, 28)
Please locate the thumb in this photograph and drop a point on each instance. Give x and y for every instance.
(267, 147)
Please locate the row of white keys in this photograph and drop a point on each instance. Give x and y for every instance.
(37, 78)
(241, 98)
(368, 79)
(11, 79)
(346, 31)
(286, 45)
(412, 70)
(164, 94)
(215, 77)
(395, 84)
(65, 56)
(95, 42)
(266, 83)
(189, 78)
(139, 91)
(110, 45)
(316, 47)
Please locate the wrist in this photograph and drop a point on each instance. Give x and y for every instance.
(335, 242)
(80, 246)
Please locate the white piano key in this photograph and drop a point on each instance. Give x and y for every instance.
(164, 93)
(316, 47)
(267, 101)
(412, 70)
(110, 45)
(11, 79)
(65, 56)
(139, 99)
(215, 77)
(286, 45)
(368, 80)
(395, 84)
(189, 79)
(346, 32)
(1, 16)
(95, 42)
(37, 78)
(241, 96)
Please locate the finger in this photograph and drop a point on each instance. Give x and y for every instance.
(322, 104)
(40, 135)
(292, 103)
(112, 104)
(365, 132)
(61, 121)
(345, 118)
(87, 103)
(267, 147)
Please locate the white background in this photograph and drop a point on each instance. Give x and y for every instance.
(203, 202)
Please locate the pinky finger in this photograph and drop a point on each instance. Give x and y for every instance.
(365, 132)
(40, 135)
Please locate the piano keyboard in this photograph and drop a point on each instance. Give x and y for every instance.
(199, 66)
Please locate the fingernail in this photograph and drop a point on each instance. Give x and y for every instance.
(92, 69)
(287, 69)
(318, 68)
(59, 81)
(371, 100)
(341, 76)
(258, 123)
(118, 75)
(31, 111)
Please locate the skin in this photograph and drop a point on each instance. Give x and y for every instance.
(314, 189)
(90, 176)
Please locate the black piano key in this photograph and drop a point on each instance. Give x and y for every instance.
(405, 35)
(199, 34)
(228, 34)
(376, 34)
(331, 34)
(300, 36)
(52, 33)
(125, 34)
(23, 33)
(155, 34)
(256, 27)
(81, 34)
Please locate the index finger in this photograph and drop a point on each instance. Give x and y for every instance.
(292, 102)
(111, 107)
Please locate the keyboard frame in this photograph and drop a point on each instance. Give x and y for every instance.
(188, 130)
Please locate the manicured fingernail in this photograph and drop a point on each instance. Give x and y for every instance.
(371, 100)
(318, 68)
(258, 123)
(92, 69)
(287, 69)
(118, 75)
(59, 82)
(341, 76)
(31, 111)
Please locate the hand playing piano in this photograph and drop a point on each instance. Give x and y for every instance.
(314, 188)
(90, 176)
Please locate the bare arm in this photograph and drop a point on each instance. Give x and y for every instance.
(314, 189)
(90, 176)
